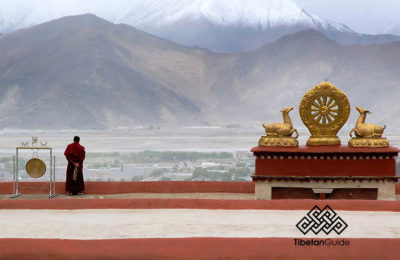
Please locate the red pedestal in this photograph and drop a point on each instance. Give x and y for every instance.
(325, 161)
(325, 172)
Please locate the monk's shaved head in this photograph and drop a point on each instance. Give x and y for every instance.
(76, 138)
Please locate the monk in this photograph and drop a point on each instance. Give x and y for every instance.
(75, 154)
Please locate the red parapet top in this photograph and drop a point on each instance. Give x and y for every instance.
(345, 149)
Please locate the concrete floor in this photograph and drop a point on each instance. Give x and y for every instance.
(179, 223)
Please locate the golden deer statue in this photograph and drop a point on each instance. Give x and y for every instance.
(366, 130)
(284, 129)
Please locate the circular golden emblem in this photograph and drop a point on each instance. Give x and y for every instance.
(35, 167)
(324, 109)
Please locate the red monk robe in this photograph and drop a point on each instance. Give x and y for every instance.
(75, 154)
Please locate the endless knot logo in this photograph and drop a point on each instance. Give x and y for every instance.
(324, 219)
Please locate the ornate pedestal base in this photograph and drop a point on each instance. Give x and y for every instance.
(276, 141)
(325, 169)
(385, 186)
(323, 140)
(369, 142)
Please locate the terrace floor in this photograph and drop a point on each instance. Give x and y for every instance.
(198, 221)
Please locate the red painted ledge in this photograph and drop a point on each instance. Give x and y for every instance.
(72, 204)
(195, 248)
(144, 187)
(326, 149)
(139, 187)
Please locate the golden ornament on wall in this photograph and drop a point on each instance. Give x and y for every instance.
(324, 110)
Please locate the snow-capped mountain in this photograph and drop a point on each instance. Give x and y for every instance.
(261, 14)
(115, 75)
(229, 25)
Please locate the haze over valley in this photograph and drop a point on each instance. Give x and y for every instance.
(85, 72)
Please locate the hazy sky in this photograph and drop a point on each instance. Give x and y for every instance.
(364, 16)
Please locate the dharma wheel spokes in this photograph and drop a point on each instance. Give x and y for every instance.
(324, 110)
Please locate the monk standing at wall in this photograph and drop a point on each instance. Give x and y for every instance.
(75, 154)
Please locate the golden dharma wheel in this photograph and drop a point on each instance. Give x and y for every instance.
(324, 109)
(35, 167)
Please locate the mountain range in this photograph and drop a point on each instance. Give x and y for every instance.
(85, 72)
(220, 26)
